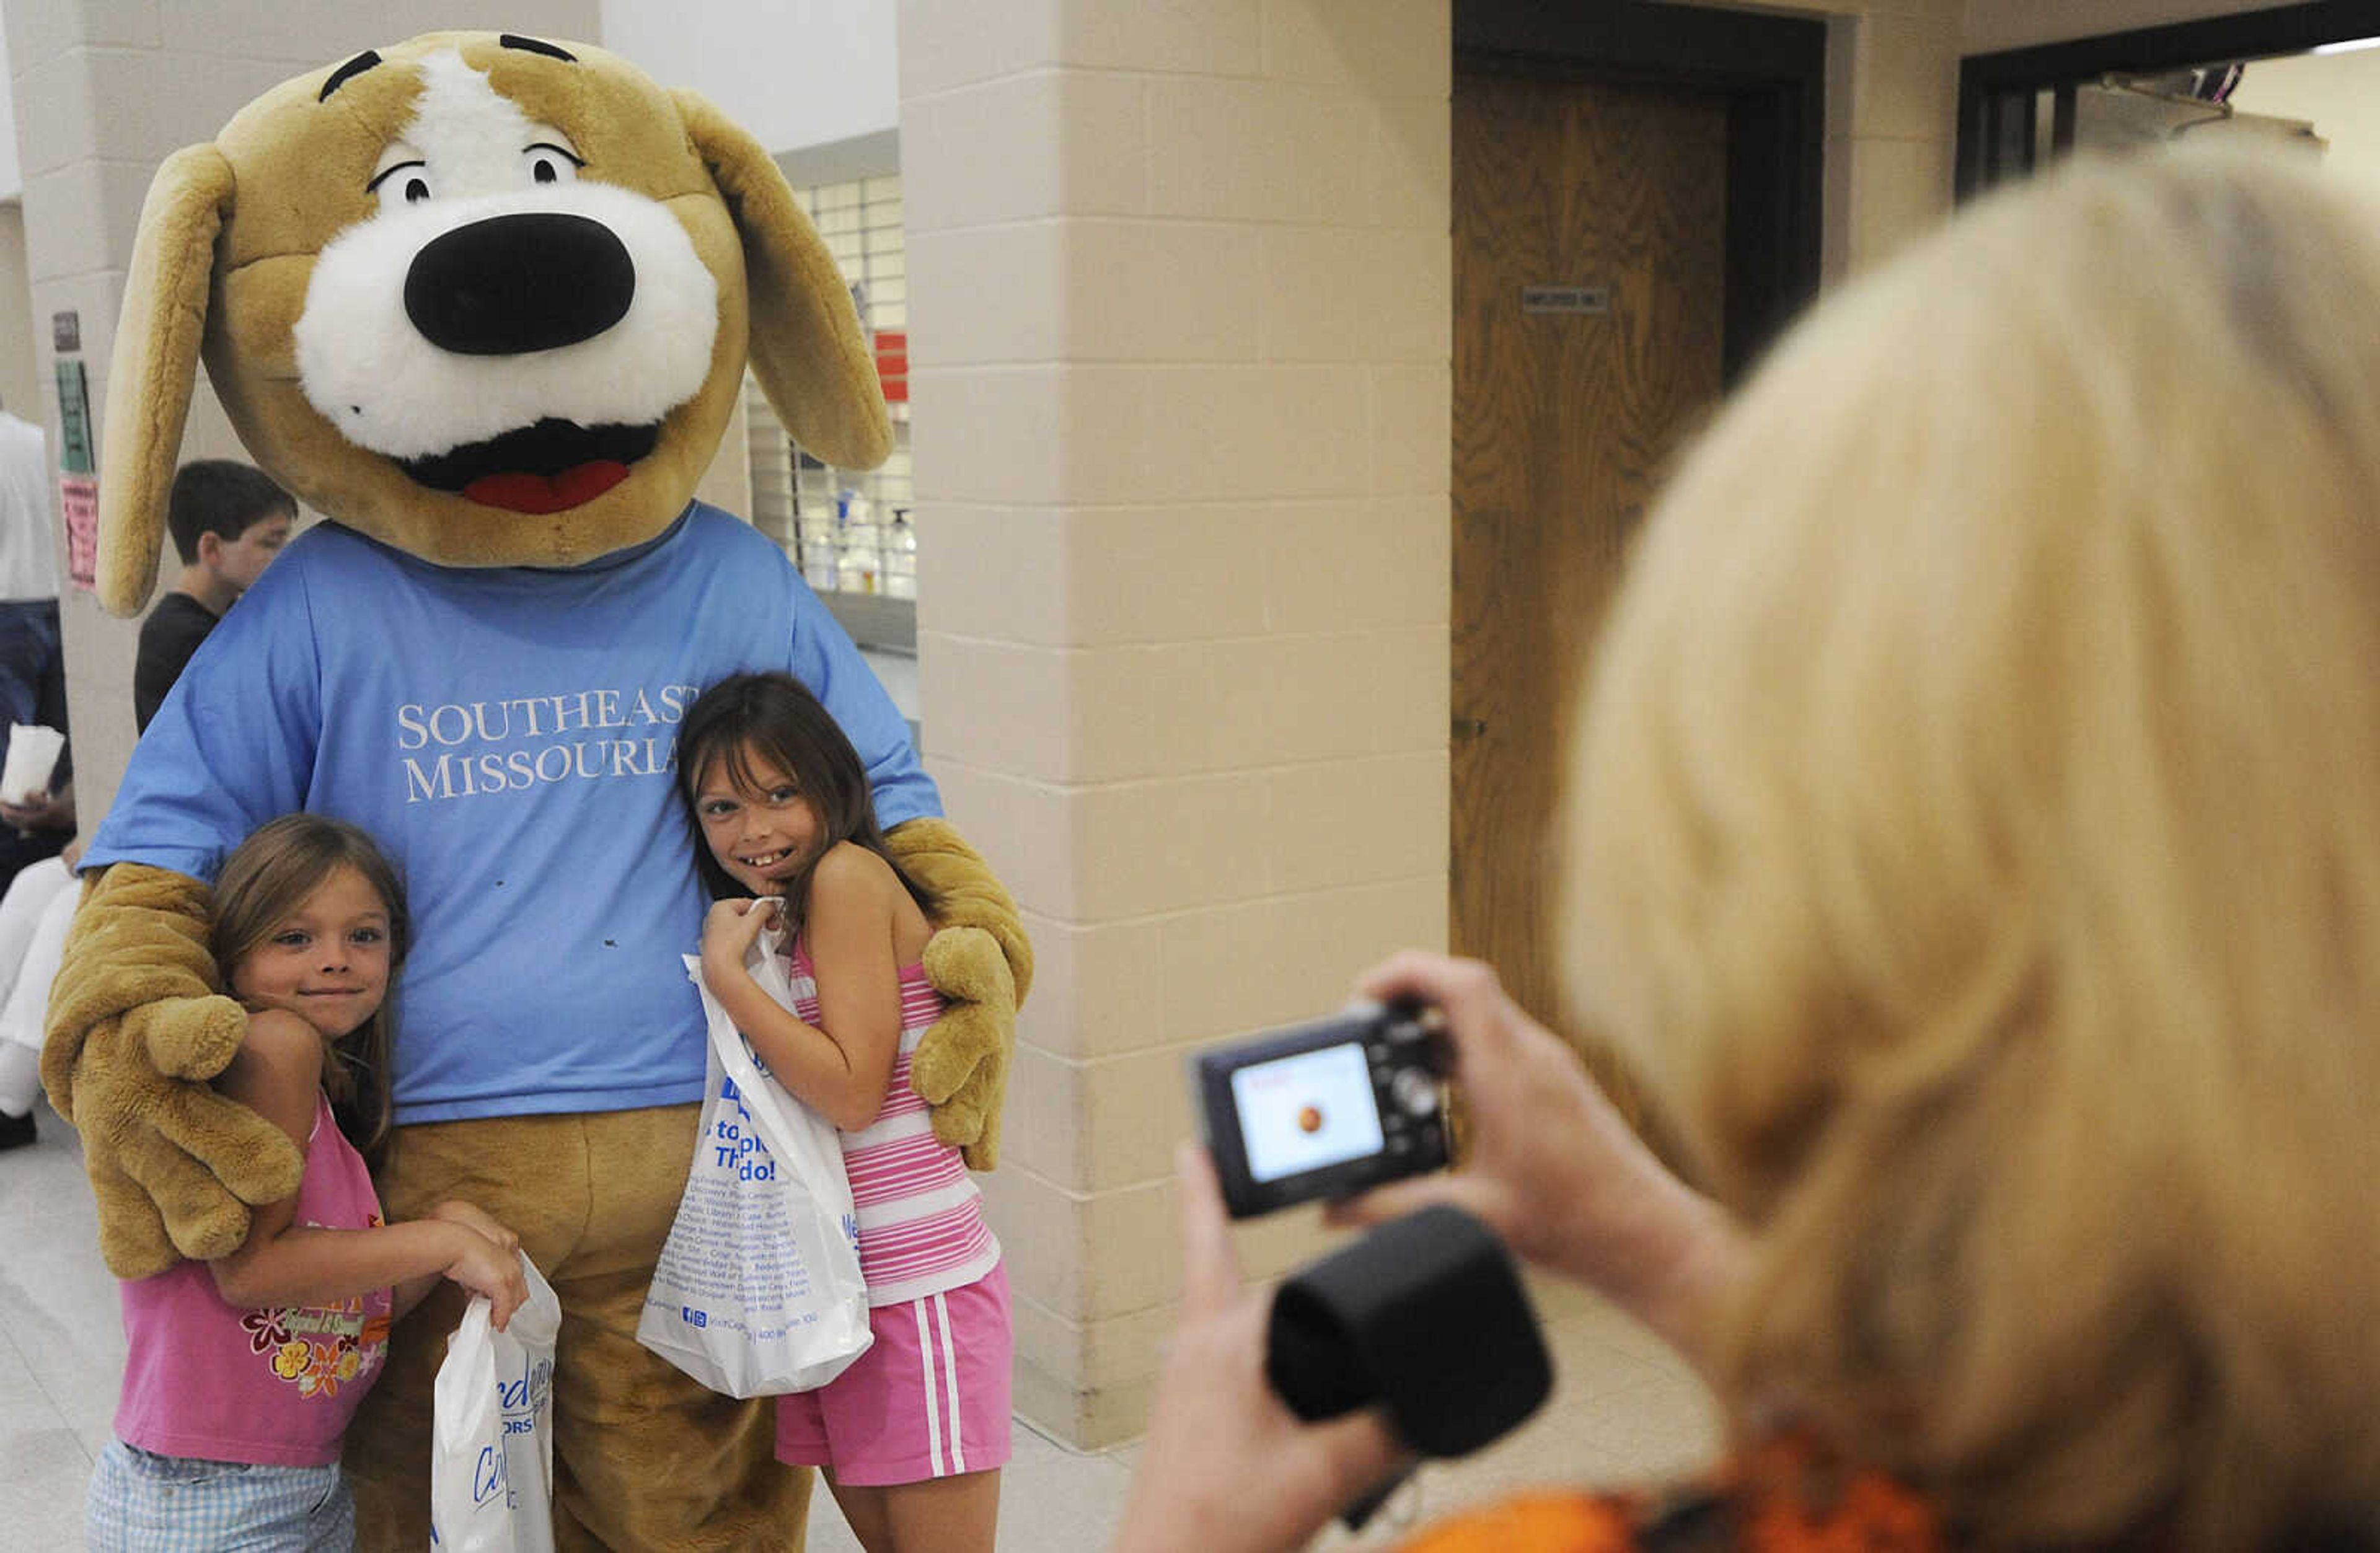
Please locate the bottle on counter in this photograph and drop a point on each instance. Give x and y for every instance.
(901, 557)
(814, 539)
(859, 558)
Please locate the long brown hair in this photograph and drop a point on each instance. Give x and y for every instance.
(267, 877)
(774, 716)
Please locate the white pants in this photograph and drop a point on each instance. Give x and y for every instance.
(33, 917)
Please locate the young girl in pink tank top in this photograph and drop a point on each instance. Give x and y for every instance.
(242, 1373)
(913, 1435)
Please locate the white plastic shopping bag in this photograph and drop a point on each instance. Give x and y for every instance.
(757, 1291)
(491, 1458)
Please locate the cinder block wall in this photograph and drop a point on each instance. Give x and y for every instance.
(1892, 95)
(1179, 303)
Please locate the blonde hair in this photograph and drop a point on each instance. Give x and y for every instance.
(1977, 830)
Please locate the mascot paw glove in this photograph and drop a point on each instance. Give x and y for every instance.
(960, 1066)
(980, 962)
(136, 1028)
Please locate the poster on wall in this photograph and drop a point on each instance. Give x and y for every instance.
(78, 494)
(78, 488)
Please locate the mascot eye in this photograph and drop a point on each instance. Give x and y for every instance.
(549, 163)
(409, 181)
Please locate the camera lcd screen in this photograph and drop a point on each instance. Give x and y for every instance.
(1302, 1112)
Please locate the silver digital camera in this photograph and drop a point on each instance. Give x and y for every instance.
(1326, 1109)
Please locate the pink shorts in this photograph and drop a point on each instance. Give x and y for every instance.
(929, 1399)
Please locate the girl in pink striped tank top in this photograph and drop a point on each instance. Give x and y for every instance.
(914, 1433)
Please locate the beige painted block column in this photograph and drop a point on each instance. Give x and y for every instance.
(17, 390)
(104, 90)
(1180, 311)
(1893, 96)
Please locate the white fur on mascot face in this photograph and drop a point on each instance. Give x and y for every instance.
(485, 297)
(495, 301)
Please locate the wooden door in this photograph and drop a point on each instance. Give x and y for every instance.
(1589, 236)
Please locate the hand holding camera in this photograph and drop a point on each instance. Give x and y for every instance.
(1234, 1459)
(1552, 1166)
(1425, 1322)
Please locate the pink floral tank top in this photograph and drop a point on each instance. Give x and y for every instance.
(272, 1387)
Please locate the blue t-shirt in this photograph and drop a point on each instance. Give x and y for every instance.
(505, 735)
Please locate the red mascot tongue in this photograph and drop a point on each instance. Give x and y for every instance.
(548, 493)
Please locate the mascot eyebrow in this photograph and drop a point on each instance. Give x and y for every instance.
(371, 57)
(531, 45)
(353, 68)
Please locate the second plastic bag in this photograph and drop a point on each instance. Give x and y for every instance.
(757, 1291)
(491, 1429)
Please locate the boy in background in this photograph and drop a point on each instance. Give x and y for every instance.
(228, 521)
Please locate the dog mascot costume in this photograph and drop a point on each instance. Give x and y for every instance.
(485, 301)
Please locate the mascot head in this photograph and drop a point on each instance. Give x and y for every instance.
(485, 297)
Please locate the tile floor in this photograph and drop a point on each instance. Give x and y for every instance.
(1624, 1408)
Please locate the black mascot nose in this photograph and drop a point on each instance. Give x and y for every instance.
(514, 284)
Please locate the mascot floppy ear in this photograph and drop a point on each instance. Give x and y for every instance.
(154, 365)
(807, 349)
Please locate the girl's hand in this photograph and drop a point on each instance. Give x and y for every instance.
(481, 1268)
(1227, 1468)
(471, 1218)
(1554, 1169)
(729, 931)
